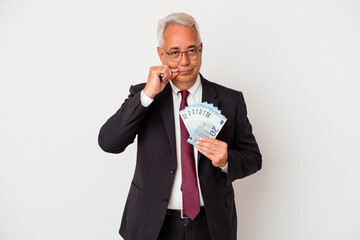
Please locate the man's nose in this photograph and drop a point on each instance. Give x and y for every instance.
(184, 59)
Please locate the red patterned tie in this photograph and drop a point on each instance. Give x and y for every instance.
(189, 187)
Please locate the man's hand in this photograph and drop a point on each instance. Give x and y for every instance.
(158, 77)
(213, 149)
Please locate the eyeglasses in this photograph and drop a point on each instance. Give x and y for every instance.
(192, 53)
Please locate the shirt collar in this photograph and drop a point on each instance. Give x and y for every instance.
(193, 90)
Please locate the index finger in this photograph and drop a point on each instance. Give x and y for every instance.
(212, 140)
(207, 139)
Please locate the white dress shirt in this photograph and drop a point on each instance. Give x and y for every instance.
(195, 96)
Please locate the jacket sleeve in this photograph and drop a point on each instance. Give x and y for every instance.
(244, 156)
(120, 129)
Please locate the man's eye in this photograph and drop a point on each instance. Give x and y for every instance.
(174, 53)
(192, 51)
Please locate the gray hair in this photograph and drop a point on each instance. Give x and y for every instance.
(176, 18)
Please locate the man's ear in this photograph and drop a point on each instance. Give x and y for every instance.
(161, 56)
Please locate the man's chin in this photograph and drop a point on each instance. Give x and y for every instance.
(186, 77)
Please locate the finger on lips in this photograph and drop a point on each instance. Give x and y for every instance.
(166, 74)
(174, 73)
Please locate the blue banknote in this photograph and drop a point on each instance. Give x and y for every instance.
(202, 120)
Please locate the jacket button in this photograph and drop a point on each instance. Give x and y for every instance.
(172, 170)
(165, 199)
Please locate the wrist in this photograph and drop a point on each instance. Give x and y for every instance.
(149, 93)
(223, 164)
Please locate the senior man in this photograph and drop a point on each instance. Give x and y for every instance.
(181, 191)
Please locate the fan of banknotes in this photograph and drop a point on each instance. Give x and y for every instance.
(202, 120)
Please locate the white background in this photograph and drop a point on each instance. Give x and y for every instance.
(66, 66)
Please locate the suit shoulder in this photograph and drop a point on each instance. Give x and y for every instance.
(224, 91)
(137, 87)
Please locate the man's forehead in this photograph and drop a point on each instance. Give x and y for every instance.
(180, 36)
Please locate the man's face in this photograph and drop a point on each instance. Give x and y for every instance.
(181, 38)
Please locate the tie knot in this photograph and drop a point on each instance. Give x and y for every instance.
(184, 94)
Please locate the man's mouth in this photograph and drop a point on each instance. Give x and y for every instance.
(187, 71)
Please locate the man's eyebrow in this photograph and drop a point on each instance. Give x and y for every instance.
(177, 48)
(174, 48)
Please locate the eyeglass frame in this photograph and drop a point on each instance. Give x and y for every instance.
(182, 52)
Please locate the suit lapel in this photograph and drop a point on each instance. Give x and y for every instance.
(209, 95)
(166, 105)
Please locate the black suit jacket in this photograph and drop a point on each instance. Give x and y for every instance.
(156, 163)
